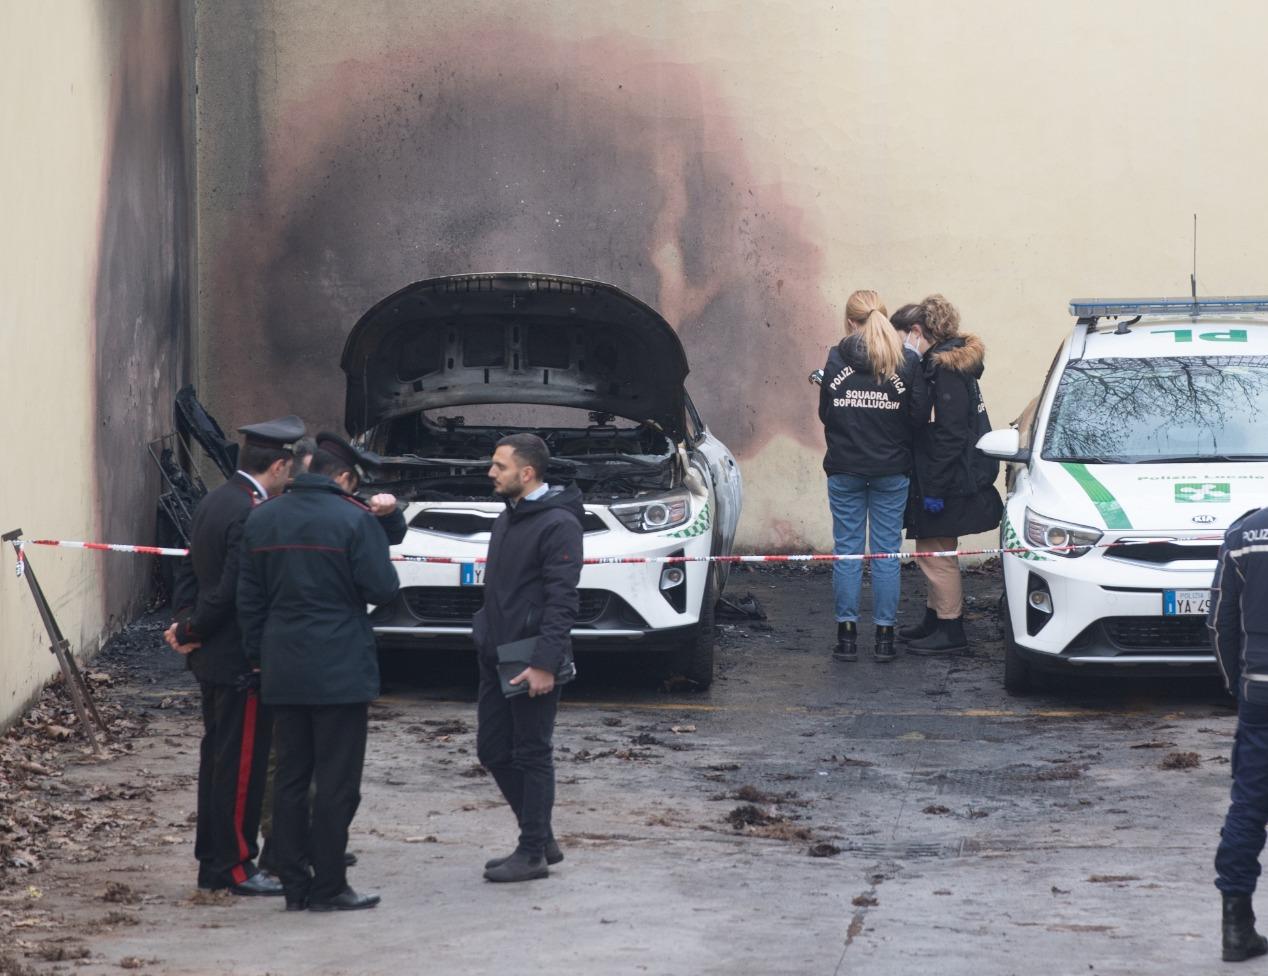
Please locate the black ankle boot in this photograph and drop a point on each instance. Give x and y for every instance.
(847, 648)
(1241, 941)
(922, 629)
(947, 638)
(883, 649)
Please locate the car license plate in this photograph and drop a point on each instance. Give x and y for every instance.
(1185, 603)
(472, 574)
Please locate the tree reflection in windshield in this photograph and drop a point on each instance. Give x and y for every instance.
(1125, 410)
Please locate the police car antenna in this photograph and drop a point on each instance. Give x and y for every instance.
(1193, 278)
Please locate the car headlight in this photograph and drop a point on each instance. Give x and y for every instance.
(1043, 532)
(655, 514)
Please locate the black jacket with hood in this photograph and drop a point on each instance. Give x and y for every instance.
(530, 580)
(311, 561)
(869, 425)
(948, 464)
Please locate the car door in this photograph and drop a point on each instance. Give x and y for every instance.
(728, 487)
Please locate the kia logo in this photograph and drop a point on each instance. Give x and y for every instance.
(1204, 519)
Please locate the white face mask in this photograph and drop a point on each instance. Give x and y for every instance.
(912, 343)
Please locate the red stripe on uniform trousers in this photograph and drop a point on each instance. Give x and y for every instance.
(244, 783)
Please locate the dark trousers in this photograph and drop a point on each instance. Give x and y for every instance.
(1242, 839)
(514, 741)
(322, 745)
(231, 775)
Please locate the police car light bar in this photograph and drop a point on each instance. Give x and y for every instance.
(1093, 308)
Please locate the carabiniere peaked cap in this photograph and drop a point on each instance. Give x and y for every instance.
(353, 457)
(281, 433)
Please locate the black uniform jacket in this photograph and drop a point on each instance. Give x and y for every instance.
(869, 425)
(312, 559)
(1238, 618)
(948, 464)
(530, 581)
(207, 582)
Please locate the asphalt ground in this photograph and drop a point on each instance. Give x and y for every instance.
(802, 817)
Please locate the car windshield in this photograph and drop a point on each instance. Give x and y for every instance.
(1158, 410)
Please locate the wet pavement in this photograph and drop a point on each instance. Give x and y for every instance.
(801, 817)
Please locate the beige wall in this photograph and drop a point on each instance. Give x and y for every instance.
(741, 166)
(93, 254)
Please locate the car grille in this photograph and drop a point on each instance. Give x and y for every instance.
(458, 604)
(1158, 553)
(1158, 633)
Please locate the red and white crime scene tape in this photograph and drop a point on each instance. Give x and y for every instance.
(642, 560)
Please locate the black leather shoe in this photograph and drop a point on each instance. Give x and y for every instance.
(259, 883)
(847, 648)
(349, 859)
(949, 638)
(346, 901)
(519, 867)
(297, 904)
(1241, 941)
(922, 629)
(883, 649)
(553, 855)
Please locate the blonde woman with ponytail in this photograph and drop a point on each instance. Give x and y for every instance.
(872, 400)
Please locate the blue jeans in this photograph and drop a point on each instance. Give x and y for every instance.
(1242, 839)
(858, 503)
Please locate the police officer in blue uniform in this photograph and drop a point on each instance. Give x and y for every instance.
(236, 728)
(1239, 625)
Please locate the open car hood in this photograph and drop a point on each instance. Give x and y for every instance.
(514, 338)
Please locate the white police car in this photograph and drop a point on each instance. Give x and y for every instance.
(1149, 438)
(441, 370)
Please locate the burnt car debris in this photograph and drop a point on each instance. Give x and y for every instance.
(441, 370)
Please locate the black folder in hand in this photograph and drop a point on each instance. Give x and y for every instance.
(513, 658)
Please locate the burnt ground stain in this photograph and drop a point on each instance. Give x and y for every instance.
(507, 150)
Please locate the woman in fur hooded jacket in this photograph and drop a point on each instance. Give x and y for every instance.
(953, 483)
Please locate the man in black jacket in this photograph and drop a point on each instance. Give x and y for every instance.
(392, 521)
(311, 562)
(1239, 624)
(530, 590)
(236, 731)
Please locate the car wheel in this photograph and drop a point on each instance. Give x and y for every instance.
(1018, 679)
(693, 658)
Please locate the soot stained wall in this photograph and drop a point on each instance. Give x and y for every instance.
(488, 150)
(142, 301)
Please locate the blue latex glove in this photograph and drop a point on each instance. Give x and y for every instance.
(934, 505)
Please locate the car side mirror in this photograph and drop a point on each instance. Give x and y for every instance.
(1004, 444)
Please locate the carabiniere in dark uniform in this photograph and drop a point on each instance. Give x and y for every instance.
(312, 560)
(236, 729)
(1239, 625)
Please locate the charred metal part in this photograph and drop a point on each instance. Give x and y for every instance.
(428, 460)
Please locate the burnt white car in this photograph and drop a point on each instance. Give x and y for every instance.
(440, 371)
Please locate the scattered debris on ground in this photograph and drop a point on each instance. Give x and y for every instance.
(1153, 745)
(1181, 760)
(745, 608)
(119, 893)
(751, 794)
(936, 810)
(865, 901)
(823, 849)
(1112, 878)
